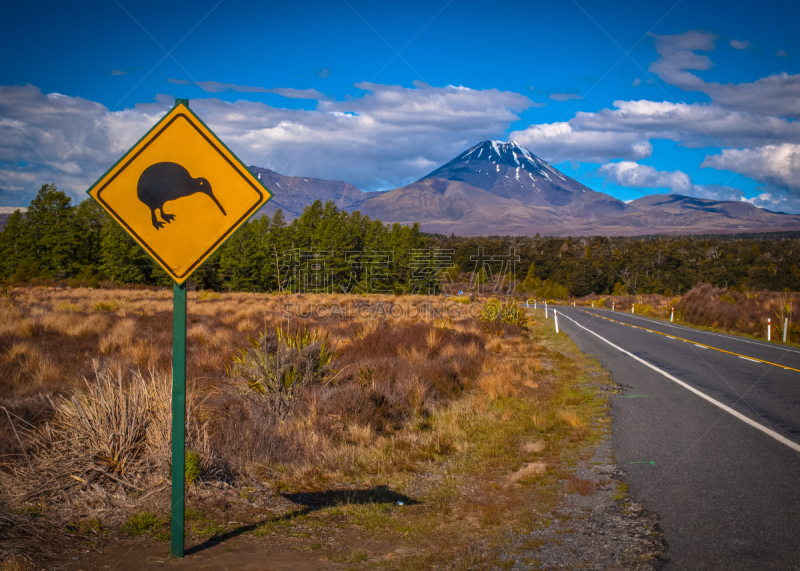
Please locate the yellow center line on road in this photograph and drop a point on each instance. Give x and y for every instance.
(693, 342)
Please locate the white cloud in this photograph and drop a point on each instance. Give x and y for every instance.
(777, 95)
(676, 55)
(775, 164)
(625, 132)
(634, 175)
(557, 142)
(777, 201)
(694, 125)
(737, 45)
(781, 53)
(564, 96)
(397, 134)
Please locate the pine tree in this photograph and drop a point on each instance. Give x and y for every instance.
(12, 253)
(48, 238)
(87, 229)
(530, 279)
(237, 260)
(122, 259)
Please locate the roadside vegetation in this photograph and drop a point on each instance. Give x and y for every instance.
(720, 309)
(427, 430)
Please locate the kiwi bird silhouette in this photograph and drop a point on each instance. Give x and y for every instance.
(162, 182)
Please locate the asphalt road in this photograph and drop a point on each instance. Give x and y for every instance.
(723, 476)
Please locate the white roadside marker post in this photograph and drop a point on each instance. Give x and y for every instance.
(632, 306)
(769, 329)
(555, 318)
(612, 307)
(672, 315)
(534, 304)
(785, 328)
(545, 309)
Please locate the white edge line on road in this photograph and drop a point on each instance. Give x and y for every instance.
(746, 359)
(740, 416)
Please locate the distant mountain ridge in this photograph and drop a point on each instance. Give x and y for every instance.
(293, 193)
(498, 188)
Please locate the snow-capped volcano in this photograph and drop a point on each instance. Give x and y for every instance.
(506, 156)
(511, 171)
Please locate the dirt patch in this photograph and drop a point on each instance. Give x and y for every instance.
(528, 469)
(532, 446)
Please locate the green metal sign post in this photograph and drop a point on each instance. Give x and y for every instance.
(178, 418)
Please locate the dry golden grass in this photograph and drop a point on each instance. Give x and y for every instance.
(120, 338)
(23, 351)
(433, 338)
(246, 325)
(582, 486)
(424, 395)
(145, 355)
(570, 418)
(115, 431)
(360, 435)
(87, 326)
(496, 346)
(199, 333)
(499, 381)
(17, 565)
(46, 370)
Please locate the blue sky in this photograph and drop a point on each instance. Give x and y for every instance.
(631, 98)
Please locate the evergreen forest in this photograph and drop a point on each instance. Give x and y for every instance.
(327, 249)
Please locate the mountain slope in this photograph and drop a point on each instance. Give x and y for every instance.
(293, 193)
(497, 188)
(447, 206)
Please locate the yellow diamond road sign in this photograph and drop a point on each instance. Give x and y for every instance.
(180, 192)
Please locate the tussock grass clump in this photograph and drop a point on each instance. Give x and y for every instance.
(143, 523)
(113, 436)
(207, 295)
(501, 381)
(106, 305)
(17, 565)
(120, 337)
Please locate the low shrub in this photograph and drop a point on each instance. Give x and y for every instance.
(741, 312)
(279, 365)
(494, 312)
